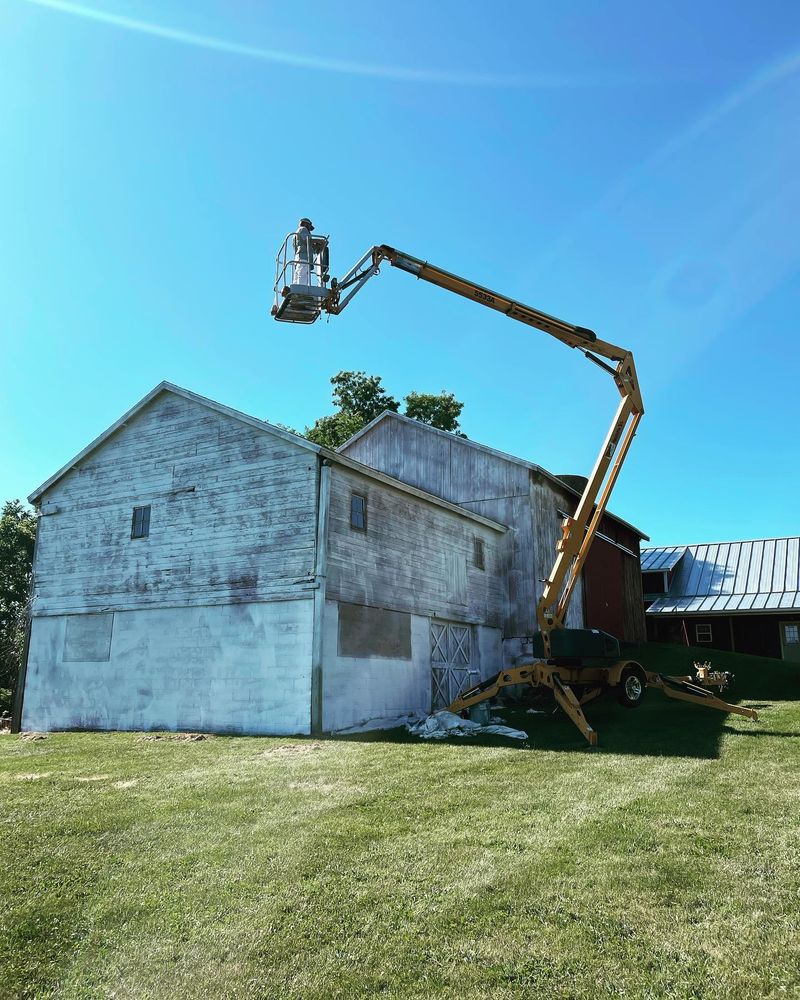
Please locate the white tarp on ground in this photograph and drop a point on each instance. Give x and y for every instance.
(439, 726)
(393, 722)
(442, 725)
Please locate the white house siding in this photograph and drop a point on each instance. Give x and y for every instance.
(215, 603)
(239, 668)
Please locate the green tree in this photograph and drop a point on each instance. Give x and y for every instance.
(335, 429)
(441, 410)
(360, 398)
(17, 531)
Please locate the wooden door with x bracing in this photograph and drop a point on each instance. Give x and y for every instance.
(452, 665)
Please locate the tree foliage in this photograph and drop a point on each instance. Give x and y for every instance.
(360, 398)
(440, 410)
(17, 532)
(335, 429)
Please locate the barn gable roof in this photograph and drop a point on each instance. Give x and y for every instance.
(267, 427)
(762, 575)
(504, 456)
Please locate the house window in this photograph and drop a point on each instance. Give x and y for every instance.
(358, 512)
(791, 633)
(479, 553)
(702, 633)
(140, 522)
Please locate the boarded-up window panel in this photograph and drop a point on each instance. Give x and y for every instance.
(367, 632)
(87, 638)
(457, 577)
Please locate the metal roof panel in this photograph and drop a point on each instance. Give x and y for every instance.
(728, 577)
(663, 559)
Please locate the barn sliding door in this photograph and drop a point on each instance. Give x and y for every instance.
(452, 666)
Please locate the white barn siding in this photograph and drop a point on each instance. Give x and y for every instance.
(546, 502)
(240, 668)
(360, 689)
(253, 606)
(212, 623)
(233, 516)
(414, 559)
(486, 483)
(413, 556)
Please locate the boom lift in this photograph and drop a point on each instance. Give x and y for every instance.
(576, 664)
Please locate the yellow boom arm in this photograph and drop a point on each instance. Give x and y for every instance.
(579, 530)
(302, 294)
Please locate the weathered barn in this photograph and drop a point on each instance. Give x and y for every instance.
(198, 568)
(740, 596)
(195, 567)
(533, 502)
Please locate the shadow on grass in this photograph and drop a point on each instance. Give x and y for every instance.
(660, 727)
(763, 732)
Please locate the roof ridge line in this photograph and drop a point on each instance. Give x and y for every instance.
(734, 541)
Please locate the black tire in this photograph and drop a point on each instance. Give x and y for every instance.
(632, 686)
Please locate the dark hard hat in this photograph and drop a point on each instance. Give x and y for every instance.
(307, 224)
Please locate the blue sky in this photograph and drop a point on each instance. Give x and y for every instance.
(633, 168)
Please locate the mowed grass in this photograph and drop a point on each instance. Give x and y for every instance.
(665, 864)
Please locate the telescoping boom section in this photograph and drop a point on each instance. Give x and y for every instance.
(565, 658)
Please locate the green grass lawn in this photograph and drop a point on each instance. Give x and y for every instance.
(664, 864)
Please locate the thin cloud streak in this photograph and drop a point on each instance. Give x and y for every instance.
(542, 81)
(775, 72)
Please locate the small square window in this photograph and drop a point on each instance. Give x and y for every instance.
(791, 633)
(479, 553)
(140, 522)
(702, 633)
(358, 512)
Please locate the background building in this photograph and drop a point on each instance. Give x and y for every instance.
(740, 596)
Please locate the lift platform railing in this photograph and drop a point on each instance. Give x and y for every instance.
(301, 278)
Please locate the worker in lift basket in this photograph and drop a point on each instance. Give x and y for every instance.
(310, 255)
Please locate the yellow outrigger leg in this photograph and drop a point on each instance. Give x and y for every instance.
(627, 676)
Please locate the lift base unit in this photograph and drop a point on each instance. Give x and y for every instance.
(574, 686)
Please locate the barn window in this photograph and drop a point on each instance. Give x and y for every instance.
(791, 633)
(702, 633)
(140, 522)
(358, 512)
(479, 553)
